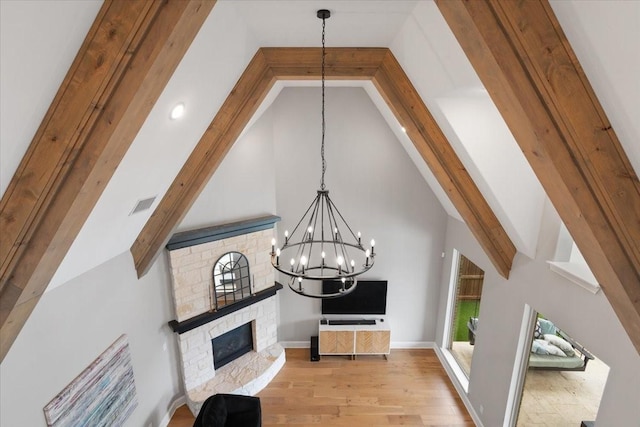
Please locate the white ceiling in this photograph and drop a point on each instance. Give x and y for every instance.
(36, 55)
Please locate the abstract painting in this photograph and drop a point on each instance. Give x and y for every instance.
(104, 394)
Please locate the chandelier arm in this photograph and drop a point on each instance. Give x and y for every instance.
(352, 245)
(314, 202)
(328, 266)
(322, 237)
(313, 219)
(300, 250)
(323, 296)
(342, 218)
(339, 243)
(308, 276)
(333, 224)
(345, 256)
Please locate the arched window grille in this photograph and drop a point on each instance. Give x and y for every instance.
(231, 279)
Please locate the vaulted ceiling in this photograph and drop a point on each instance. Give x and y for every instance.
(89, 159)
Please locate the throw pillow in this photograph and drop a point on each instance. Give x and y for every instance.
(561, 343)
(547, 326)
(537, 332)
(539, 347)
(552, 349)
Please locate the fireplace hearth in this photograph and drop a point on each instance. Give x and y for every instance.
(231, 345)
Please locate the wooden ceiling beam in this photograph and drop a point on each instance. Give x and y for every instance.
(403, 100)
(527, 65)
(127, 58)
(229, 122)
(377, 64)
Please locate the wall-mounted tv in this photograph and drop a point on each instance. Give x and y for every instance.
(369, 297)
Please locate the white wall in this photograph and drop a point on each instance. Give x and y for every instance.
(202, 81)
(587, 317)
(428, 52)
(378, 190)
(75, 323)
(243, 186)
(33, 67)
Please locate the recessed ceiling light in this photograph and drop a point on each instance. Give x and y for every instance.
(177, 112)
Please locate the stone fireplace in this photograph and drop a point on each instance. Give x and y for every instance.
(200, 327)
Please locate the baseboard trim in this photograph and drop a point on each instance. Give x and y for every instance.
(458, 386)
(412, 344)
(295, 344)
(394, 344)
(173, 406)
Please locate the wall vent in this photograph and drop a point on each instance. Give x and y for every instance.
(143, 205)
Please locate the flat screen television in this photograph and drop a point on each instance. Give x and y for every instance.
(369, 297)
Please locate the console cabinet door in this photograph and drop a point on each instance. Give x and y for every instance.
(336, 342)
(372, 342)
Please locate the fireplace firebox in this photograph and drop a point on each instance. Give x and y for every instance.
(231, 345)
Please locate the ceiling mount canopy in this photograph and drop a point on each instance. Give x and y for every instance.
(322, 245)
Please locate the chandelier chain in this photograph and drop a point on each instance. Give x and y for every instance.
(324, 163)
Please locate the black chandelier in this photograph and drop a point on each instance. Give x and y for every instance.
(322, 245)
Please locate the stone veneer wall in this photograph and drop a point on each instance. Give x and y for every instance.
(195, 345)
(191, 269)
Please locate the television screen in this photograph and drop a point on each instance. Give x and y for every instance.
(369, 297)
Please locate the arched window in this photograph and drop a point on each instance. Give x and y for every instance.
(231, 279)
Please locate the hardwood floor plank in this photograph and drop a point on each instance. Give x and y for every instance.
(410, 388)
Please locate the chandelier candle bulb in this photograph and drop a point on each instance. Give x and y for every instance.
(273, 246)
(293, 261)
(286, 236)
(277, 256)
(373, 243)
(353, 266)
(367, 254)
(359, 237)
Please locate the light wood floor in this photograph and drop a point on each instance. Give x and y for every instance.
(410, 388)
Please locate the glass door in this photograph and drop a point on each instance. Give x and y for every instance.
(464, 316)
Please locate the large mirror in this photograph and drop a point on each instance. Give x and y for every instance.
(231, 279)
